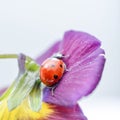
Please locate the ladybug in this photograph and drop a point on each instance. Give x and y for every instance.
(52, 70)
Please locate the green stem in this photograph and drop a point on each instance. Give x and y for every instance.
(12, 56)
(6, 56)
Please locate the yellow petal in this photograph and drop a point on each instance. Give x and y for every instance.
(24, 112)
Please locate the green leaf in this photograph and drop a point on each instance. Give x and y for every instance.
(35, 97)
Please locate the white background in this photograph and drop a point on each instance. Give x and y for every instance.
(31, 26)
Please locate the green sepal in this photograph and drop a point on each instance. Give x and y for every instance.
(30, 65)
(7, 92)
(22, 89)
(35, 97)
(23, 86)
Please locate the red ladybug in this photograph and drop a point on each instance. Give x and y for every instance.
(52, 70)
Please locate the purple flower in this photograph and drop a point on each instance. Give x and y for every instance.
(85, 62)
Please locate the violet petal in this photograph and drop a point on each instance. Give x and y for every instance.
(85, 62)
(2, 90)
(67, 113)
(48, 53)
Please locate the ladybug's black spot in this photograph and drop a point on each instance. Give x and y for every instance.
(61, 66)
(56, 76)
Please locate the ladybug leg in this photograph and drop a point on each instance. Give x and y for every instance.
(53, 89)
(67, 70)
(65, 56)
(60, 56)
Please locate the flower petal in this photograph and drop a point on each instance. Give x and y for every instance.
(23, 111)
(48, 53)
(2, 91)
(67, 113)
(47, 112)
(85, 62)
